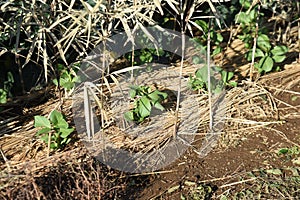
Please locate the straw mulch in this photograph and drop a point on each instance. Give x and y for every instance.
(249, 107)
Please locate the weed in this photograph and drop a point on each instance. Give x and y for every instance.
(291, 154)
(197, 192)
(55, 128)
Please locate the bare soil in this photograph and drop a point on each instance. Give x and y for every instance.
(222, 169)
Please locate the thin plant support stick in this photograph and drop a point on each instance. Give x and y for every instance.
(105, 62)
(208, 79)
(254, 45)
(132, 61)
(181, 69)
(88, 112)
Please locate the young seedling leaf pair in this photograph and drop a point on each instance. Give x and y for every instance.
(57, 126)
(268, 55)
(144, 99)
(200, 80)
(68, 77)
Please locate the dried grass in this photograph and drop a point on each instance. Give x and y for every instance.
(250, 107)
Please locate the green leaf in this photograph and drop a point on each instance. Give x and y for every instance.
(164, 95)
(252, 15)
(132, 93)
(266, 64)
(45, 138)
(197, 60)
(65, 132)
(134, 87)
(219, 37)
(55, 82)
(245, 3)
(243, 18)
(223, 197)
(54, 145)
(248, 45)
(230, 76)
(43, 131)
(129, 116)
(263, 42)
(258, 53)
(56, 117)
(217, 50)
(159, 106)
(41, 121)
(203, 25)
(233, 83)
(62, 124)
(76, 79)
(3, 96)
(279, 50)
(201, 74)
(218, 89)
(154, 96)
(68, 84)
(278, 59)
(226, 76)
(157, 96)
(144, 108)
(248, 55)
(294, 98)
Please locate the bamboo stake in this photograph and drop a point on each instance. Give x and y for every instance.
(208, 78)
(180, 71)
(254, 45)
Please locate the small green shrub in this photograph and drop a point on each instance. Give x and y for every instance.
(56, 128)
(144, 98)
